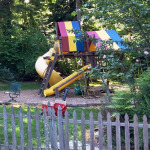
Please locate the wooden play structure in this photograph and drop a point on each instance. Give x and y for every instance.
(66, 47)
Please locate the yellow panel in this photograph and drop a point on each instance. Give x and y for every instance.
(71, 36)
(105, 37)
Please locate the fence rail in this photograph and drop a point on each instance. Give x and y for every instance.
(56, 131)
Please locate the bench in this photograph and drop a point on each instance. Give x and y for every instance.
(14, 91)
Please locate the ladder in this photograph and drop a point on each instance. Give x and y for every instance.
(47, 75)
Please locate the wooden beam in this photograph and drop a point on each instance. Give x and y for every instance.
(88, 104)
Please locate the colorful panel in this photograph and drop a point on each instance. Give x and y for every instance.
(71, 36)
(76, 26)
(64, 35)
(117, 39)
(67, 37)
(105, 37)
(93, 44)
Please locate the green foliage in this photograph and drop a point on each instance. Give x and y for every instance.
(26, 32)
(67, 66)
(64, 67)
(6, 75)
(124, 16)
(32, 43)
(143, 94)
(20, 53)
(122, 103)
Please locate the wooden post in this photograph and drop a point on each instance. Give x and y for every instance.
(66, 131)
(13, 125)
(60, 129)
(38, 135)
(29, 129)
(109, 132)
(83, 131)
(127, 133)
(21, 129)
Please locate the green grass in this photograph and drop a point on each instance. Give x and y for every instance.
(24, 86)
(36, 85)
(24, 110)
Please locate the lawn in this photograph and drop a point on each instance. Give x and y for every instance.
(36, 85)
(24, 86)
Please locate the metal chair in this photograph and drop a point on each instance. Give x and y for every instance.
(14, 91)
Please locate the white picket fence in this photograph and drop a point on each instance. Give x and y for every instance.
(56, 131)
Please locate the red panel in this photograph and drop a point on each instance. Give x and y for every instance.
(64, 36)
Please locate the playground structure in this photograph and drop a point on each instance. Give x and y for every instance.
(66, 47)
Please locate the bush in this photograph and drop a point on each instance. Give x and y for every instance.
(122, 103)
(21, 52)
(67, 66)
(143, 94)
(6, 75)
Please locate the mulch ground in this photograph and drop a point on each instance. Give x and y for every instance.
(31, 97)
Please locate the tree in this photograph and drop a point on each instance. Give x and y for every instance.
(127, 17)
(124, 16)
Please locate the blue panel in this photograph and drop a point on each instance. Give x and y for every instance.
(75, 25)
(117, 39)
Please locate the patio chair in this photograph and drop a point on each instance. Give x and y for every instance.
(14, 91)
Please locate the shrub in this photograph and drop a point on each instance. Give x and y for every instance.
(122, 103)
(6, 75)
(143, 94)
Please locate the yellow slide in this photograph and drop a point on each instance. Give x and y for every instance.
(42, 64)
(67, 81)
(55, 79)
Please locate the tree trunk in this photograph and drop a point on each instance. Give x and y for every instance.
(78, 6)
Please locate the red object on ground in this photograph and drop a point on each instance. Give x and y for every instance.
(61, 103)
(63, 108)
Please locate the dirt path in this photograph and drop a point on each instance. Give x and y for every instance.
(31, 97)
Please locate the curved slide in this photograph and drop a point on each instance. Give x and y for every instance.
(56, 82)
(42, 64)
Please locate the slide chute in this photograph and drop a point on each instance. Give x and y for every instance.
(42, 64)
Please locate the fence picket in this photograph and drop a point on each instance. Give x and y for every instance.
(75, 140)
(60, 129)
(46, 132)
(5, 127)
(54, 130)
(21, 129)
(91, 131)
(100, 130)
(29, 129)
(145, 133)
(109, 132)
(118, 138)
(50, 125)
(127, 133)
(83, 131)
(136, 133)
(38, 135)
(13, 125)
(66, 131)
